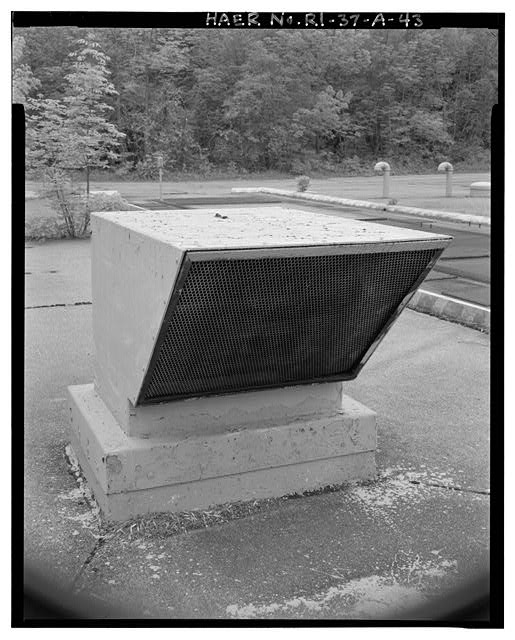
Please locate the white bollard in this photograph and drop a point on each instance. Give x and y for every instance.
(383, 168)
(448, 169)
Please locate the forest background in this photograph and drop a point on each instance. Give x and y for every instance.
(236, 103)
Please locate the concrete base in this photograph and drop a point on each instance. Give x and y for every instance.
(480, 190)
(130, 476)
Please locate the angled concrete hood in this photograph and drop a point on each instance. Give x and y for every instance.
(189, 304)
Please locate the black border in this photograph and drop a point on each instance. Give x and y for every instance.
(17, 355)
(197, 19)
(463, 616)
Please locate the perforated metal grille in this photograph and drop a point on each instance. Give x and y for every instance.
(272, 321)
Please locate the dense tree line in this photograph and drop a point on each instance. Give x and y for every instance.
(296, 101)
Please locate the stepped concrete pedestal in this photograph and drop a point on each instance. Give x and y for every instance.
(208, 451)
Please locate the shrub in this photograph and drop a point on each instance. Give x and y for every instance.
(45, 228)
(76, 222)
(303, 183)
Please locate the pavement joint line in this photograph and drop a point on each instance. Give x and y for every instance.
(453, 276)
(445, 258)
(484, 492)
(446, 276)
(59, 304)
(76, 473)
(455, 271)
(99, 543)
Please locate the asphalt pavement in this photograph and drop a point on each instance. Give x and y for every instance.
(390, 548)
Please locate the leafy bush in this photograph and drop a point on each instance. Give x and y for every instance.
(76, 222)
(303, 183)
(45, 228)
(83, 206)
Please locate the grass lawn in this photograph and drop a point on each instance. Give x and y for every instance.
(38, 208)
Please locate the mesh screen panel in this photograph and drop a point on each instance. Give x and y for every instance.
(272, 321)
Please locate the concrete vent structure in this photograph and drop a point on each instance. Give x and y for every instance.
(221, 340)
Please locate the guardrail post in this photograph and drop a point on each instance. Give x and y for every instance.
(383, 168)
(448, 169)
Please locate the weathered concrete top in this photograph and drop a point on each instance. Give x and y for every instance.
(256, 228)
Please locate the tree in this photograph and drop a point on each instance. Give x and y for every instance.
(259, 99)
(46, 154)
(326, 120)
(23, 80)
(258, 113)
(92, 139)
(73, 133)
(46, 52)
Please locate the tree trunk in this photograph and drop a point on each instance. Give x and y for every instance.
(146, 118)
(377, 137)
(65, 211)
(85, 222)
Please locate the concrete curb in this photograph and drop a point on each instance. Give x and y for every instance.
(363, 204)
(466, 313)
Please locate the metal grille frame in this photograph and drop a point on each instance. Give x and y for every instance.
(193, 256)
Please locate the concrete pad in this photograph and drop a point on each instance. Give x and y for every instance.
(367, 547)
(432, 398)
(57, 272)
(480, 190)
(130, 476)
(429, 384)
(438, 276)
(477, 269)
(364, 552)
(60, 527)
(224, 200)
(466, 246)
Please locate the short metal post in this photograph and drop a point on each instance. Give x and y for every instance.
(449, 170)
(384, 169)
(159, 159)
